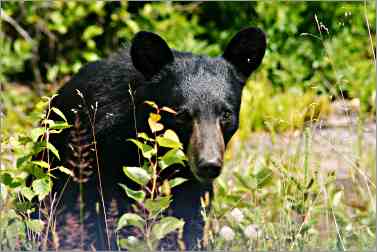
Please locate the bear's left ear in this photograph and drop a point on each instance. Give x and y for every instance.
(150, 53)
(246, 50)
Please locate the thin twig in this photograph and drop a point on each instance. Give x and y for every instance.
(369, 33)
(92, 123)
(16, 26)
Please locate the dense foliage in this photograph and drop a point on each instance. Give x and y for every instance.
(310, 45)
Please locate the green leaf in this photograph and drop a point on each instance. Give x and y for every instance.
(35, 225)
(48, 122)
(27, 192)
(176, 181)
(168, 143)
(52, 73)
(136, 195)
(90, 56)
(264, 176)
(41, 163)
(22, 160)
(137, 174)
(7, 180)
(36, 132)
(59, 126)
(59, 113)
(53, 150)
(248, 183)
(130, 219)
(144, 136)
(174, 156)
(132, 244)
(41, 187)
(165, 226)
(169, 140)
(157, 205)
(152, 104)
(65, 170)
(92, 31)
(25, 139)
(146, 150)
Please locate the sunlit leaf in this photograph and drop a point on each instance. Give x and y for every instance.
(22, 160)
(264, 176)
(174, 156)
(154, 125)
(27, 192)
(157, 205)
(35, 225)
(65, 170)
(52, 148)
(176, 181)
(41, 187)
(152, 104)
(59, 126)
(136, 195)
(59, 113)
(144, 136)
(41, 163)
(137, 174)
(36, 132)
(169, 110)
(165, 226)
(146, 150)
(168, 142)
(130, 219)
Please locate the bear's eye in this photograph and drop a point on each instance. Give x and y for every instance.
(226, 116)
(183, 117)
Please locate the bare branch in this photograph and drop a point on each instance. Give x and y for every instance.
(16, 26)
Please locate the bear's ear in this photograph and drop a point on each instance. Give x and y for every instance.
(150, 53)
(246, 50)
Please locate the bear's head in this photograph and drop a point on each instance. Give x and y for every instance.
(205, 92)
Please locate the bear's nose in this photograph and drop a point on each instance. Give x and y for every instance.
(209, 168)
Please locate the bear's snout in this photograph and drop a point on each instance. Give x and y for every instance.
(210, 169)
(206, 150)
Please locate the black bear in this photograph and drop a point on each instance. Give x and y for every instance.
(205, 92)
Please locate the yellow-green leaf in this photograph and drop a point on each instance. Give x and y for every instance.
(152, 104)
(65, 170)
(174, 156)
(130, 219)
(157, 205)
(146, 150)
(35, 225)
(41, 187)
(59, 113)
(176, 181)
(41, 163)
(165, 226)
(136, 195)
(137, 174)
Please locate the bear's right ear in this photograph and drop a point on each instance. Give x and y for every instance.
(150, 53)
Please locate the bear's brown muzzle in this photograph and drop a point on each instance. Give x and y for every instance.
(206, 149)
